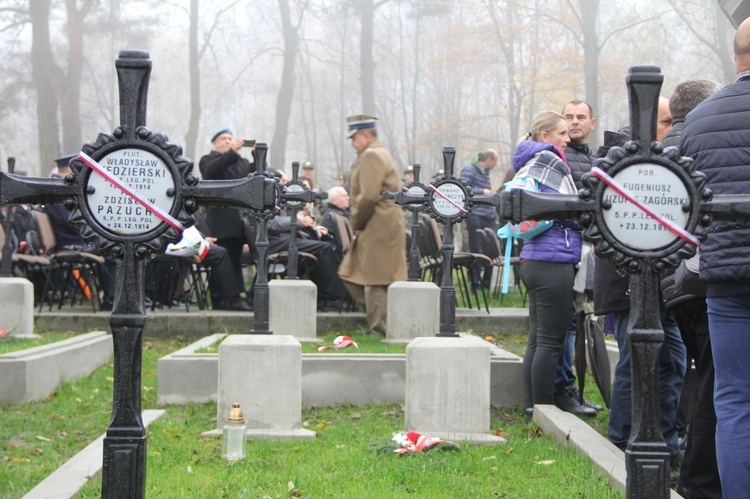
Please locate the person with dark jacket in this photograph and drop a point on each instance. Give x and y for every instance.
(717, 137)
(331, 291)
(612, 296)
(699, 473)
(477, 176)
(580, 120)
(338, 204)
(225, 163)
(547, 260)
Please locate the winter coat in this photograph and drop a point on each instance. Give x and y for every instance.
(716, 137)
(225, 222)
(562, 242)
(378, 255)
(478, 179)
(674, 137)
(579, 159)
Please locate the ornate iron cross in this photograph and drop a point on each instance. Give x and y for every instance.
(644, 208)
(448, 200)
(131, 193)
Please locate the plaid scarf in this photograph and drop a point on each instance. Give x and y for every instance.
(549, 170)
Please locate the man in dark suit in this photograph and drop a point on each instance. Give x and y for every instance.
(225, 163)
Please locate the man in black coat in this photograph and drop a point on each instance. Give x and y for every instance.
(225, 163)
(580, 119)
(717, 137)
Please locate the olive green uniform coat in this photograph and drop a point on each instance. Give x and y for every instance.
(378, 253)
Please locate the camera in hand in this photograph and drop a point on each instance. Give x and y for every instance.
(248, 143)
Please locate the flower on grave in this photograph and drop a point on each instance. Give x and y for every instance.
(3, 333)
(416, 442)
(340, 342)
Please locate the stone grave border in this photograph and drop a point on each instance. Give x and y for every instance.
(35, 372)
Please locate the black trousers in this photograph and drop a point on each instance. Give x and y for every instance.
(325, 273)
(225, 283)
(550, 288)
(699, 473)
(234, 245)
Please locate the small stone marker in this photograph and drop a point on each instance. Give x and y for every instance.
(263, 373)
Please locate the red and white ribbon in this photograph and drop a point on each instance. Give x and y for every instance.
(340, 342)
(668, 224)
(155, 210)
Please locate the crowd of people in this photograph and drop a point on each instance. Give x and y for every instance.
(705, 302)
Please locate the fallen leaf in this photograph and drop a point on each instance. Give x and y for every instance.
(567, 437)
(38, 450)
(290, 485)
(546, 463)
(509, 451)
(355, 415)
(189, 470)
(43, 439)
(488, 458)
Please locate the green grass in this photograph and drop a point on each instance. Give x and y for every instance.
(40, 436)
(342, 461)
(12, 344)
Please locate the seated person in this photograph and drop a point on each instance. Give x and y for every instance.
(338, 204)
(331, 291)
(224, 285)
(67, 237)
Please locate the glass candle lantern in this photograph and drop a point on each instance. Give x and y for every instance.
(233, 435)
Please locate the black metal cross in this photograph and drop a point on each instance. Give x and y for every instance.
(449, 200)
(295, 186)
(131, 193)
(644, 208)
(415, 188)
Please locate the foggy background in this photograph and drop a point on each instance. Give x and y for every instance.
(468, 73)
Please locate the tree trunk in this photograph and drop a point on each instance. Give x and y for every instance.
(43, 72)
(591, 50)
(70, 96)
(191, 137)
(286, 91)
(366, 63)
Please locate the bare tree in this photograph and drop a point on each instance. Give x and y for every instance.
(191, 137)
(44, 72)
(288, 78)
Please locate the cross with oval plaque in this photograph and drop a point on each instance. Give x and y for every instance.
(644, 208)
(131, 193)
(448, 200)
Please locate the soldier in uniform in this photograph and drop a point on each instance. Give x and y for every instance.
(377, 257)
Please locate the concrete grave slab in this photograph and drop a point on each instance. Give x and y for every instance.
(34, 373)
(262, 373)
(17, 306)
(413, 311)
(448, 388)
(293, 308)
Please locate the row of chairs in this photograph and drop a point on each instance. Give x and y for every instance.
(494, 249)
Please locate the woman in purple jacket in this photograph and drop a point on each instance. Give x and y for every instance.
(548, 260)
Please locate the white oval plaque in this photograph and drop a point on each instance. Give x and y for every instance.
(416, 190)
(143, 172)
(659, 189)
(449, 200)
